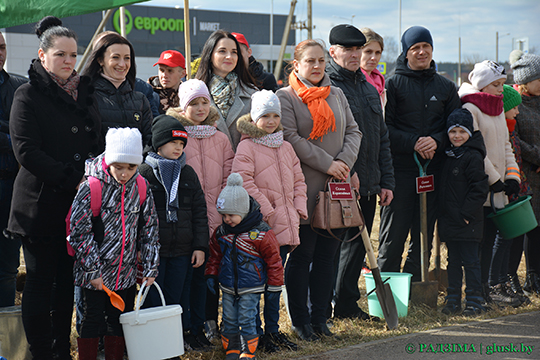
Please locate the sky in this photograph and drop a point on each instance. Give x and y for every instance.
(476, 21)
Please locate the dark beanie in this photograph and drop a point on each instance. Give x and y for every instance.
(165, 128)
(346, 35)
(462, 118)
(415, 35)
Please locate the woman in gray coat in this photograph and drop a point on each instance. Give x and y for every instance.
(318, 122)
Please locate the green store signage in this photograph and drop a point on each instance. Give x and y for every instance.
(148, 23)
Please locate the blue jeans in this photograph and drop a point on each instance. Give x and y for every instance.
(174, 278)
(239, 313)
(463, 254)
(9, 248)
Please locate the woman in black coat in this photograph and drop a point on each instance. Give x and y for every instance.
(112, 70)
(54, 127)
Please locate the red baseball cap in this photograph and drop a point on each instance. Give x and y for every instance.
(241, 39)
(172, 58)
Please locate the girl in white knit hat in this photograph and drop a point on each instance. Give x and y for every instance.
(106, 246)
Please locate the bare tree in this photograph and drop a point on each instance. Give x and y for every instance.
(471, 59)
(391, 50)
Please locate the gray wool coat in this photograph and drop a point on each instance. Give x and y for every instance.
(528, 133)
(316, 156)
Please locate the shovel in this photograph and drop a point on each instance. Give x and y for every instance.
(116, 300)
(383, 291)
(424, 292)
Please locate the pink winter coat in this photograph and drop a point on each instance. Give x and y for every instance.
(211, 158)
(274, 177)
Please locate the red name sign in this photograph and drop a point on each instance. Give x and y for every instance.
(425, 184)
(340, 191)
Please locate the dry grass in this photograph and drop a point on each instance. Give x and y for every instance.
(351, 332)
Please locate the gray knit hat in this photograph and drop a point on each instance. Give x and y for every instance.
(234, 199)
(526, 66)
(264, 102)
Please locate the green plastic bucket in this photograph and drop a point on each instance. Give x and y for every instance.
(515, 219)
(400, 284)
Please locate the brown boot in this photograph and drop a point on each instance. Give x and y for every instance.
(249, 345)
(114, 347)
(231, 345)
(88, 348)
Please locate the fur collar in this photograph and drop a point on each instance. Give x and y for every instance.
(211, 119)
(246, 126)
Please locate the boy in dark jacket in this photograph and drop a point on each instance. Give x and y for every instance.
(464, 188)
(183, 225)
(244, 257)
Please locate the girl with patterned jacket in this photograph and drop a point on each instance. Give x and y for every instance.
(273, 176)
(110, 259)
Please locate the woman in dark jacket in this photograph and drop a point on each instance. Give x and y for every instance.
(112, 70)
(55, 127)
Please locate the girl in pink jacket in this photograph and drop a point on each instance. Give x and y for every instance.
(210, 154)
(272, 175)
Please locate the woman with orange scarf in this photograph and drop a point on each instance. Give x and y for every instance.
(318, 122)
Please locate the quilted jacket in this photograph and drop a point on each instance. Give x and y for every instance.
(115, 259)
(273, 177)
(211, 158)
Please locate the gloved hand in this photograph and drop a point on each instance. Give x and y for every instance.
(497, 187)
(511, 187)
(272, 296)
(211, 284)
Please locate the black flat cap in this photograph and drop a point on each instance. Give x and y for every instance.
(346, 35)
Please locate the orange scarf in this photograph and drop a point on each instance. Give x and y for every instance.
(314, 97)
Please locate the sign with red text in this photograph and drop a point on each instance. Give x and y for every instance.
(340, 191)
(425, 184)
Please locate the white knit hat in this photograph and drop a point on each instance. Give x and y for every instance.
(264, 102)
(233, 199)
(123, 145)
(486, 72)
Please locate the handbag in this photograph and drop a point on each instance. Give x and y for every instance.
(338, 213)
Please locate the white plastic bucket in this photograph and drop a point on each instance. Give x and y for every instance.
(155, 333)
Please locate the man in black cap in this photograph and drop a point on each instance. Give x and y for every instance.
(419, 102)
(373, 172)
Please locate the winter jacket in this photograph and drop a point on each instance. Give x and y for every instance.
(168, 98)
(463, 190)
(264, 80)
(52, 136)
(153, 98)
(374, 162)
(211, 158)
(419, 102)
(273, 177)
(190, 232)
(115, 259)
(241, 106)
(246, 262)
(500, 163)
(8, 84)
(315, 155)
(123, 107)
(528, 133)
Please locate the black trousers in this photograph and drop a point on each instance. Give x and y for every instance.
(350, 260)
(47, 304)
(400, 217)
(532, 251)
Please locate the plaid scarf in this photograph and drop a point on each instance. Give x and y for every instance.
(273, 140)
(70, 85)
(200, 131)
(223, 91)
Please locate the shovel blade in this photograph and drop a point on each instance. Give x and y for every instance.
(386, 300)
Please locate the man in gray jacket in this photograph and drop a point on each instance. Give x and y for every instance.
(373, 173)
(9, 248)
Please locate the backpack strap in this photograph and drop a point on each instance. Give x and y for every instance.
(95, 195)
(141, 187)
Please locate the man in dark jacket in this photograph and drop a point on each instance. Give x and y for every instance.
(264, 80)
(419, 102)
(373, 171)
(9, 248)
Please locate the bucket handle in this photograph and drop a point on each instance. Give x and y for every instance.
(375, 288)
(142, 296)
(491, 196)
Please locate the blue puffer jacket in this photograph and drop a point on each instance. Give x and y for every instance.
(246, 262)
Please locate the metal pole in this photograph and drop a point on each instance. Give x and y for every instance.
(88, 49)
(496, 46)
(459, 63)
(399, 20)
(187, 39)
(123, 21)
(271, 35)
(277, 69)
(309, 21)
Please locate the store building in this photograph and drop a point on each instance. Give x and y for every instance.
(153, 29)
